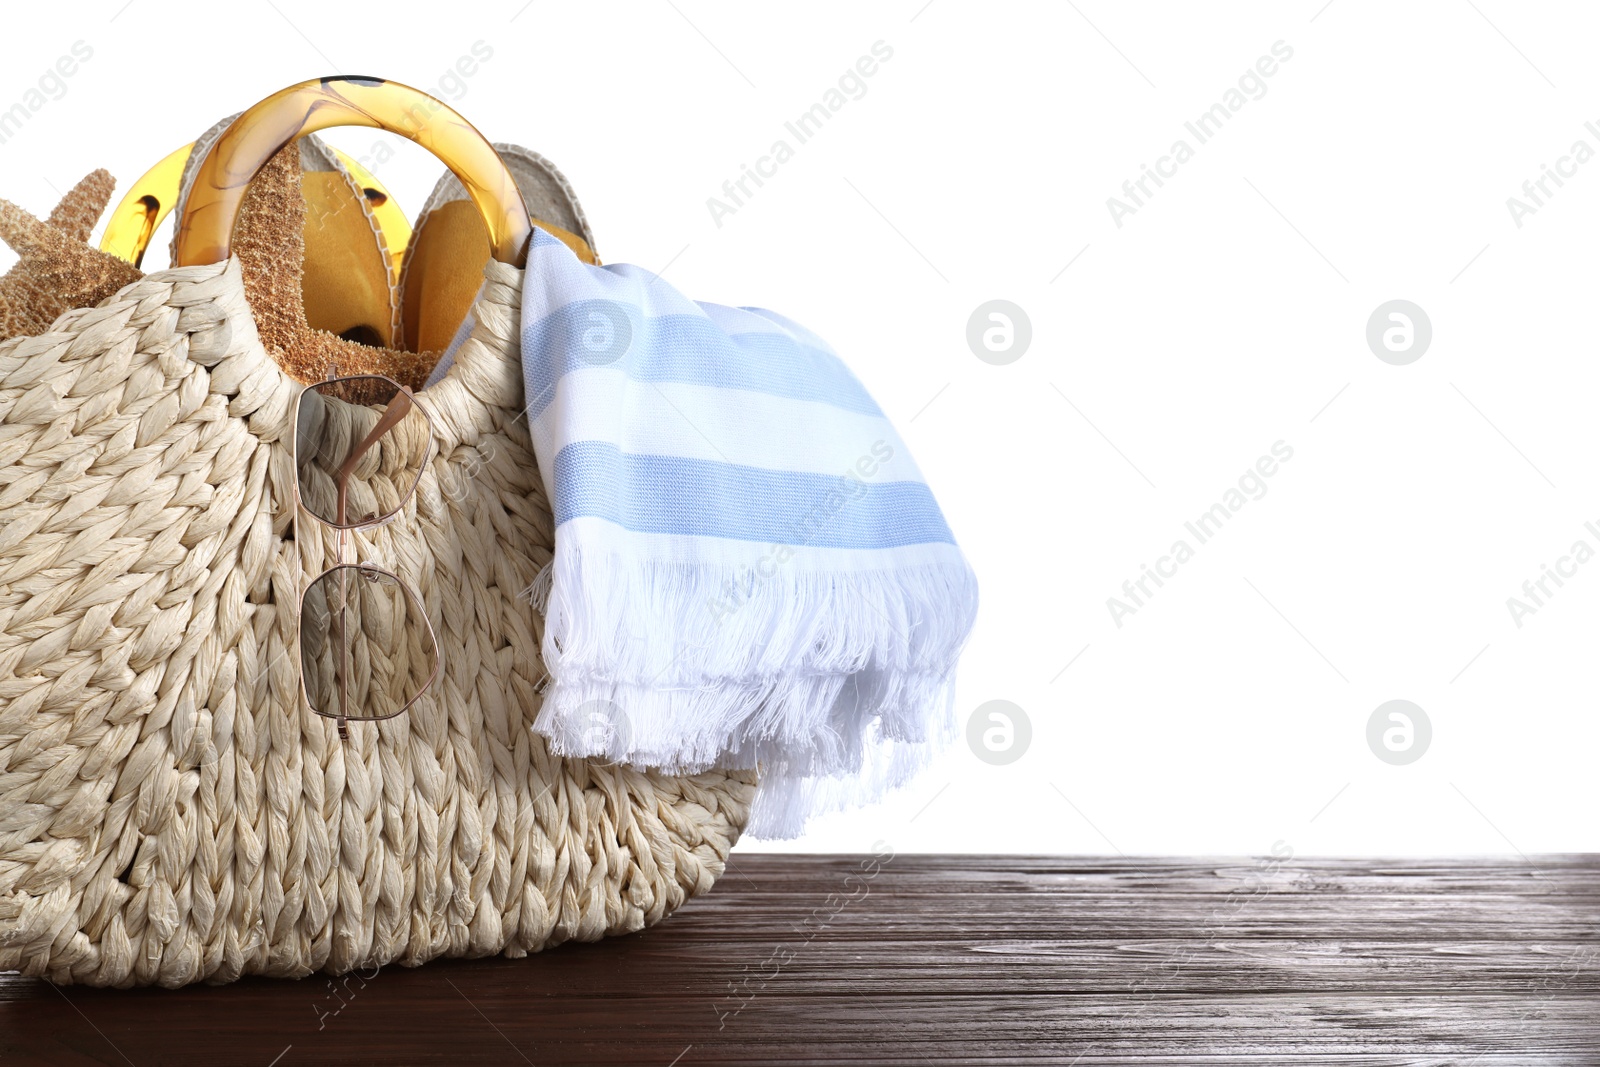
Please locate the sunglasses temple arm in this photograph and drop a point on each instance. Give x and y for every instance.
(398, 409)
(344, 651)
(341, 643)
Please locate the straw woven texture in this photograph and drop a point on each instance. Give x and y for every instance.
(170, 811)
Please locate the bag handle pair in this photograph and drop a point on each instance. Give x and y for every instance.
(205, 233)
(133, 223)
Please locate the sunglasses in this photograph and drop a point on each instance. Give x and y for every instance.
(367, 648)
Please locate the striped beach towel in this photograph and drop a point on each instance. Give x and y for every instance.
(749, 567)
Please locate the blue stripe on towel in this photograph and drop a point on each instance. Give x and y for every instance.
(702, 498)
(680, 348)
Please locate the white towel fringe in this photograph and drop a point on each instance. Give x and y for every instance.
(838, 684)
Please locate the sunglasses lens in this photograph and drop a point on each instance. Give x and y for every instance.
(360, 445)
(366, 650)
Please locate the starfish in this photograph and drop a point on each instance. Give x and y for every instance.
(269, 239)
(57, 270)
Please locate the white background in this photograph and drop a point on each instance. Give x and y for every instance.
(1227, 314)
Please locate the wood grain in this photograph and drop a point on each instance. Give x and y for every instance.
(948, 959)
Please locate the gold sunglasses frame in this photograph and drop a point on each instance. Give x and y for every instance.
(205, 235)
(362, 569)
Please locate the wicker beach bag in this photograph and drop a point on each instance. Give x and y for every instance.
(171, 810)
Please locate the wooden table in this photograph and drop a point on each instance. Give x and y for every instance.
(947, 959)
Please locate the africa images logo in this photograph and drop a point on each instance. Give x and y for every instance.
(1252, 85)
(51, 85)
(851, 85)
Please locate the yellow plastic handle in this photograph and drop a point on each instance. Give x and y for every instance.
(391, 220)
(134, 222)
(149, 200)
(205, 233)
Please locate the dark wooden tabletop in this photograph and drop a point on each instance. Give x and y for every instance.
(946, 959)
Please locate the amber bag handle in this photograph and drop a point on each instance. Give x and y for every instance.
(150, 199)
(205, 234)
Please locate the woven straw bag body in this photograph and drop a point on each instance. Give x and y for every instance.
(170, 809)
